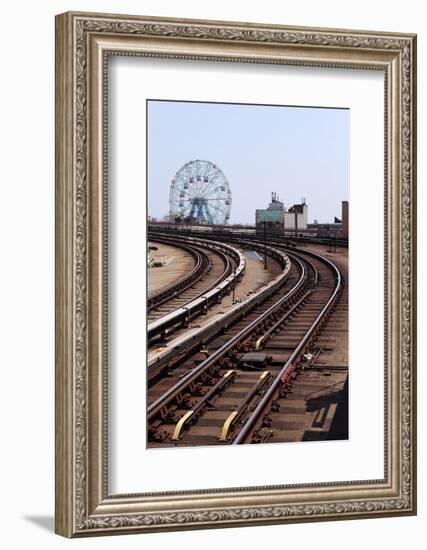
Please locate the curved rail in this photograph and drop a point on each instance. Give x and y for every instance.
(212, 277)
(286, 372)
(192, 377)
(249, 232)
(180, 396)
(215, 325)
(201, 267)
(182, 316)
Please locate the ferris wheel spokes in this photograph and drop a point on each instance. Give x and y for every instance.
(200, 191)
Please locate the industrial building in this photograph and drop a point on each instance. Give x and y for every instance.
(344, 223)
(277, 219)
(338, 229)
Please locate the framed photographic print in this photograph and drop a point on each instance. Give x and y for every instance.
(235, 274)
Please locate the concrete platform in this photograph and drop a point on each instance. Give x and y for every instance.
(255, 277)
(176, 263)
(317, 409)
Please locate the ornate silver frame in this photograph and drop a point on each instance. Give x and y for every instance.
(83, 506)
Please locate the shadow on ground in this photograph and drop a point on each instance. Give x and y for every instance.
(44, 522)
(339, 425)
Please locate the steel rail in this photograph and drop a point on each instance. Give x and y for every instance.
(180, 387)
(283, 376)
(235, 417)
(214, 326)
(228, 231)
(184, 314)
(201, 267)
(226, 272)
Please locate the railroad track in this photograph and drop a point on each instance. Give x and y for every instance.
(211, 267)
(176, 350)
(229, 392)
(218, 268)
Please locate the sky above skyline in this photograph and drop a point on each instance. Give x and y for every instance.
(293, 151)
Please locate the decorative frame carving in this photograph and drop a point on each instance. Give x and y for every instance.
(83, 41)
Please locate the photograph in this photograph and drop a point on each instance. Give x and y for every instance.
(235, 272)
(247, 273)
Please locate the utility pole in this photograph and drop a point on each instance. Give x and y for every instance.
(234, 286)
(265, 245)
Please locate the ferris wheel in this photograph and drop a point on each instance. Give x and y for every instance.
(200, 191)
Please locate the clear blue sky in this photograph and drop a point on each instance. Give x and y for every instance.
(294, 151)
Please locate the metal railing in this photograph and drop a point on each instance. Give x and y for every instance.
(283, 376)
(212, 327)
(183, 315)
(201, 266)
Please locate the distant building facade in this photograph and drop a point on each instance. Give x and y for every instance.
(277, 219)
(344, 226)
(272, 218)
(336, 230)
(296, 217)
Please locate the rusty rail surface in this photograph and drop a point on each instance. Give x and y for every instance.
(180, 317)
(201, 267)
(181, 395)
(255, 421)
(215, 325)
(177, 392)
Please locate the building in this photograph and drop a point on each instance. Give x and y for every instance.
(344, 226)
(277, 219)
(296, 217)
(326, 230)
(271, 219)
(336, 230)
